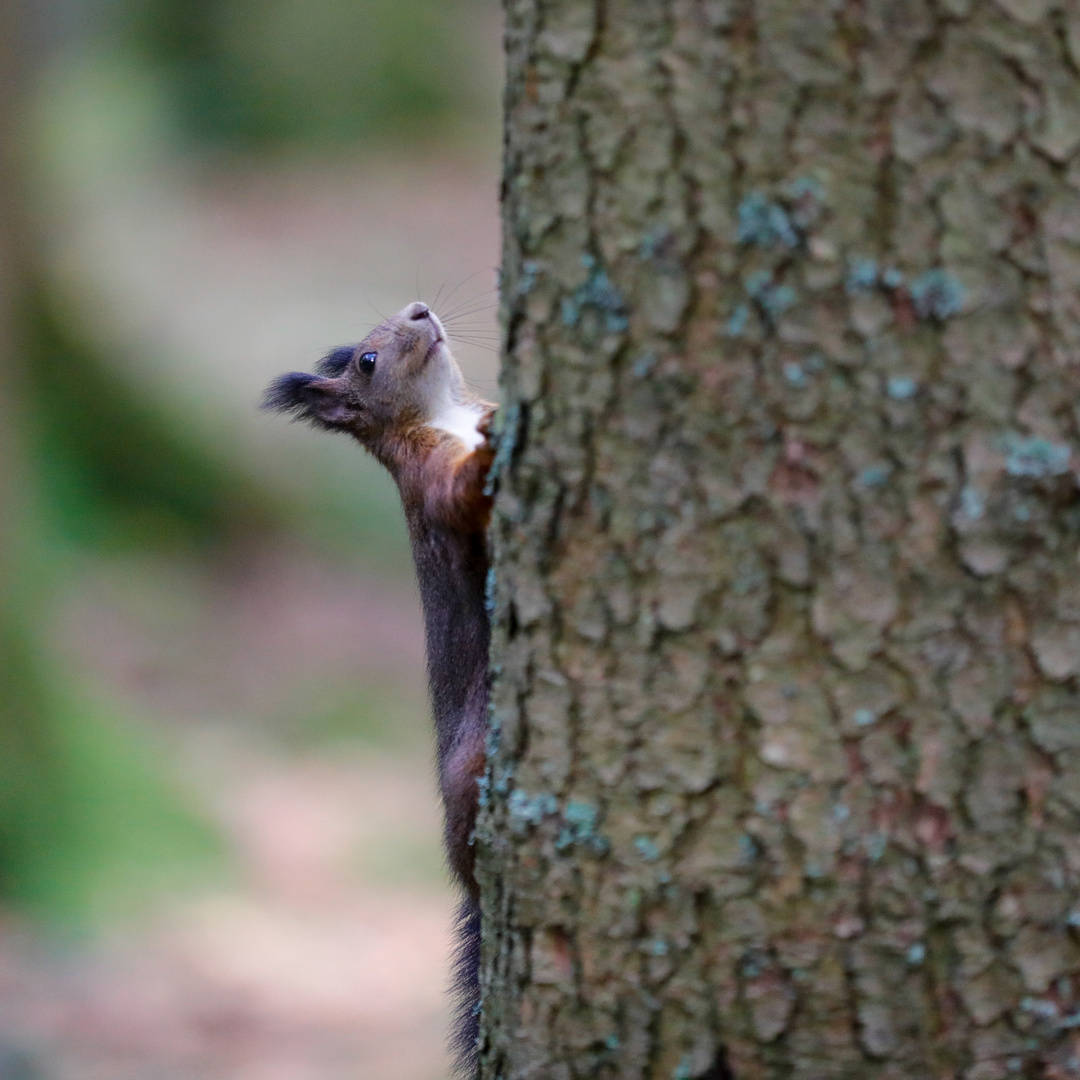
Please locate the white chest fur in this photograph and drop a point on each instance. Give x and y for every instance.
(459, 420)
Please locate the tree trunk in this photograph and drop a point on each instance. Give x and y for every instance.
(785, 773)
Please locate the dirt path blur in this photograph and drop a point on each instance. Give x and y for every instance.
(324, 955)
(315, 966)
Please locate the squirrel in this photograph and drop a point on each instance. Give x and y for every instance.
(401, 395)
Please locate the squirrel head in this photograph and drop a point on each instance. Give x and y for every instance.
(398, 378)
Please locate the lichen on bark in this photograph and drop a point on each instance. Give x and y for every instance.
(786, 544)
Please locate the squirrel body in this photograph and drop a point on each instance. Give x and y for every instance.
(401, 395)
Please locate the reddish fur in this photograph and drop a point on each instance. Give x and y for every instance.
(386, 408)
(439, 478)
(442, 484)
(460, 791)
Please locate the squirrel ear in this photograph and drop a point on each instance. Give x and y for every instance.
(336, 361)
(309, 397)
(323, 405)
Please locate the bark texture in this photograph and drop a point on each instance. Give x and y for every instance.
(786, 745)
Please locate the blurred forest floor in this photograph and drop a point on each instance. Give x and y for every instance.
(285, 682)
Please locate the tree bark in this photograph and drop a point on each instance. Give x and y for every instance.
(785, 766)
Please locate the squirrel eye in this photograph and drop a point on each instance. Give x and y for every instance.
(367, 362)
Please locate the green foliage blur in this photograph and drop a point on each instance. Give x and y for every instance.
(88, 807)
(303, 75)
(87, 815)
(114, 468)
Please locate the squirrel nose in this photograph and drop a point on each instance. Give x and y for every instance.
(419, 311)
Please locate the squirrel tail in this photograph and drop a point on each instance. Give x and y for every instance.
(466, 989)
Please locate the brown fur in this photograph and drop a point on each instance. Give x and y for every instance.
(389, 410)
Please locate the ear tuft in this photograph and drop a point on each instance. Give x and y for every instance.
(336, 361)
(286, 394)
(309, 397)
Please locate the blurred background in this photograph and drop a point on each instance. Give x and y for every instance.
(219, 838)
